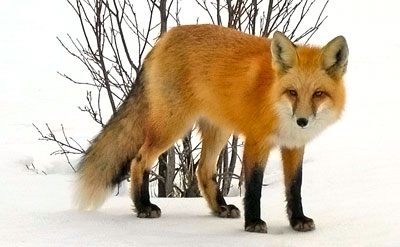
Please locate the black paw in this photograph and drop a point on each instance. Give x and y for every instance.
(303, 224)
(256, 226)
(228, 211)
(148, 211)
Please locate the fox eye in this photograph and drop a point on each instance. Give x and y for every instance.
(318, 94)
(292, 92)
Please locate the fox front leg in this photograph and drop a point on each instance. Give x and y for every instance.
(292, 166)
(254, 157)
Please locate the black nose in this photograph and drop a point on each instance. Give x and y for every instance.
(302, 122)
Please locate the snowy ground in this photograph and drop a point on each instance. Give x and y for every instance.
(351, 172)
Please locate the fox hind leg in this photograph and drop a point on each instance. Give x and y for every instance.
(140, 169)
(162, 130)
(213, 140)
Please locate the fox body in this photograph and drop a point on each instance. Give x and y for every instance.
(270, 91)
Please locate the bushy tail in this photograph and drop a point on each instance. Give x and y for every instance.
(108, 159)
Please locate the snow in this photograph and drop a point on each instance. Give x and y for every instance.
(351, 172)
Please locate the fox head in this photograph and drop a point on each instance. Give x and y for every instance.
(309, 87)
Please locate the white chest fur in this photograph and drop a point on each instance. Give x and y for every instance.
(291, 136)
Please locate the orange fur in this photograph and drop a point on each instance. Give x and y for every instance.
(291, 159)
(234, 83)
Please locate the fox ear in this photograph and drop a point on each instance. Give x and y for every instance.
(284, 55)
(334, 57)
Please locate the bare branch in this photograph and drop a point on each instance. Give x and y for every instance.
(65, 147)
(204, 6)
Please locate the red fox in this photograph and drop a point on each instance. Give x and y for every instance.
(270, 91)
